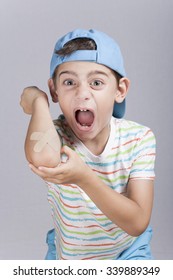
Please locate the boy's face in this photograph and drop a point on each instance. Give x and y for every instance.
(86, 93)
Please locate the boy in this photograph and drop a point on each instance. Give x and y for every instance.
(98, 167)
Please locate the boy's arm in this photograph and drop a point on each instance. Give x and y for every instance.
(132, 213)
(42, 144)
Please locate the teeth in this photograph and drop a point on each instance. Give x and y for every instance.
(82, 110)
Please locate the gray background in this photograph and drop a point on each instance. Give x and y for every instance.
(28, 31)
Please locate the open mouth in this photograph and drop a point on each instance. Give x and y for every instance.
(84, 117)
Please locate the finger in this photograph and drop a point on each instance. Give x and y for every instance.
(37, 171)
(51, 171)
(52, 180)
(67, 151)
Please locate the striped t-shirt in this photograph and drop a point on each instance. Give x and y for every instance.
(82, 230)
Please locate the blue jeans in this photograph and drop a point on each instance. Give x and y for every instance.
(139, 250)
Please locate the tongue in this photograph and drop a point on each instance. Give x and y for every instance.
(85, 118)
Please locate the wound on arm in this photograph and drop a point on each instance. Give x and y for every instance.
(45, 138)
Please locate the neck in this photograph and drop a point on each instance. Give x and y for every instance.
(97, 145)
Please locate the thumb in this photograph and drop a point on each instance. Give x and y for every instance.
(67, 151)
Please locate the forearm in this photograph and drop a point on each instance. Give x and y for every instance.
(41, 122)
(121, 210)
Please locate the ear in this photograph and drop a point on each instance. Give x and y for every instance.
(122, 89)
(52, 90)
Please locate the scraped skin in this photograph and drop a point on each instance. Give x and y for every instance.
(44, 138)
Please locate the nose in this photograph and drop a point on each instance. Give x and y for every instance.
(83, 92)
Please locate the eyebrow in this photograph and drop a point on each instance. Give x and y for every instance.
(95, 72)
(67, 72)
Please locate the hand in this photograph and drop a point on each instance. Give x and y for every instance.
(73, 171)
(28, 97)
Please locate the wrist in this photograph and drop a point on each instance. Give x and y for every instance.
(40, 101)
(87, 178)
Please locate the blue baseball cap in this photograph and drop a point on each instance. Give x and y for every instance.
(107, 53)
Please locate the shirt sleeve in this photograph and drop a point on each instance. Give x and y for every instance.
(144, 157)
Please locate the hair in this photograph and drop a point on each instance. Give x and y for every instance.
(77, 44)
(80, 44)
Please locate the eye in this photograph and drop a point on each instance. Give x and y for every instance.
(96, 83)
(69, 82)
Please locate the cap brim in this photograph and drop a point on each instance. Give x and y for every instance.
(119, 109)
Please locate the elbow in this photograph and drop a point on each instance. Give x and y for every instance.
(44, 159)
(137, 229)
(136, 232)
